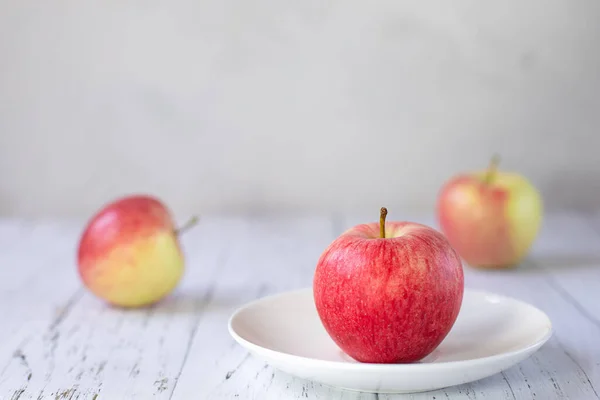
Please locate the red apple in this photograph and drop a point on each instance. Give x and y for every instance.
(129, 252)
(491, 217)
(388, 292)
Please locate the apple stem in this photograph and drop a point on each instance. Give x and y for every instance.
(491, 172)
(382, 215)
(189, 224)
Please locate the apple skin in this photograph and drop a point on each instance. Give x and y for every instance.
(129, 254)
(490, 224)
(390, 300)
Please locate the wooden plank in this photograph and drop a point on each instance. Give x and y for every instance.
(568, 249)
(568, 364)
(95, 351)
(39, 287)
(272, 255)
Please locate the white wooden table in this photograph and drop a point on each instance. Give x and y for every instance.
(59, 342)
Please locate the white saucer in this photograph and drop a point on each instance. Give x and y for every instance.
(491, 333)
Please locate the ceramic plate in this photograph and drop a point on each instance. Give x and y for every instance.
(491, 333)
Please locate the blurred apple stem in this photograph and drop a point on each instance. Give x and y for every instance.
(491, 172)
(189, 224)
(382, 215)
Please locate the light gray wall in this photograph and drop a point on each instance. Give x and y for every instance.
(280, 104)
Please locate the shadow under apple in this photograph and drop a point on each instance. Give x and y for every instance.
(553, 359)
(539, 264)
(561, 262)
(207, 299)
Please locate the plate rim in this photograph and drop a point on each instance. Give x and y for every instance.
(377, 366)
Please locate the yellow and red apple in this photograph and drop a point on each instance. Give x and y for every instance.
(129, 253)
(491, 217)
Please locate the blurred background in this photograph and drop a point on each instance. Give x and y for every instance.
(315, 105)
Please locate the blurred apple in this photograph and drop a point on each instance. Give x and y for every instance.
(490, 217)
(129, 253)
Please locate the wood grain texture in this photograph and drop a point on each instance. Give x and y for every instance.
(59, 342)
(269, 255)
(38, 292)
